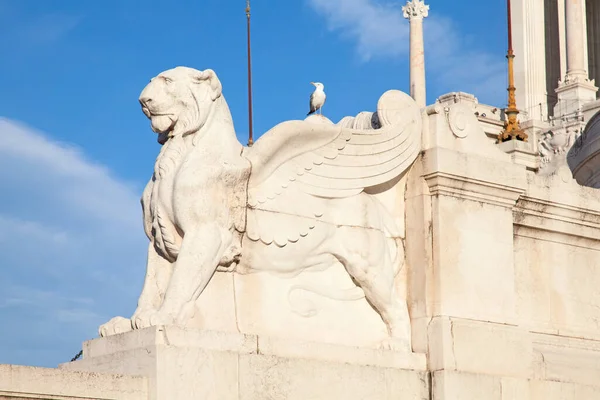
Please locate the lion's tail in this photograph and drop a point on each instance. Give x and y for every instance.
(306, 308)
(399, 259)
(393, 234)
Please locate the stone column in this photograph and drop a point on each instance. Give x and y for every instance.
(529, 46)
(562, 39)
(576, 89)
(576, 63)
(415, 11)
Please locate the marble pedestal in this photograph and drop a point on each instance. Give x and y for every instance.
(188, 364)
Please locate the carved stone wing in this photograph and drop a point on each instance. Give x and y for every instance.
(332, 161)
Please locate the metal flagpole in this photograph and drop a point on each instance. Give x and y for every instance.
(250, 135)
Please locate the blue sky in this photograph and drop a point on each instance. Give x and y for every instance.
(76, 151)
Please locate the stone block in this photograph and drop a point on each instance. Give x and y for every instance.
(479, 347)
(277, 378)
(515, 389)
(453, 385)
(472, 224)
(493, 349)
(223, 366)
(548, 390)
(21, 382)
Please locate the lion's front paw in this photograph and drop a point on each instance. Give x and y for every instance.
(142, 318)
(115, 326)
(145, 318)
(395, 344)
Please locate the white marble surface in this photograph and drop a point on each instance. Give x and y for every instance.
(295, 218)
(500, 277)
(183, 364)
(23, 382)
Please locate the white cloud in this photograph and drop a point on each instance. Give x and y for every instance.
(20, 27)
(72, 245)
(31, 230)
(84, 185)
(381, 31)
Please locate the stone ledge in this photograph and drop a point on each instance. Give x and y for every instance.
(441, 183)
(254, 367)
(49, 383)
(249, 344)
(567, 359)
(521, 153)
(451, 173)
(557, 217)
(552, 205)
(505, 351)
(453, 385)
(170, 336)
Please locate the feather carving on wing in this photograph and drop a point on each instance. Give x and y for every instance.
(335, 161)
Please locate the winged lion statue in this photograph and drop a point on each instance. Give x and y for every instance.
(298, 199)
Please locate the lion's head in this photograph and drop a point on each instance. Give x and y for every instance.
(178, 101)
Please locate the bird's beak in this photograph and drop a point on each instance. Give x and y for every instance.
(312, 83)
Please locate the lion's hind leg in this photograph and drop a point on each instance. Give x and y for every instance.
(365, 255)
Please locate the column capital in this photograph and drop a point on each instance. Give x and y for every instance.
(415, 9)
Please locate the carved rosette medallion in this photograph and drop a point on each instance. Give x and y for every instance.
(415, 9)
(458, 121)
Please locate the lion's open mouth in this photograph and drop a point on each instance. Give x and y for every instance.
(146, 112)
(149, 113)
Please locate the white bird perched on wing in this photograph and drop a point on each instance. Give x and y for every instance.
(317, 98)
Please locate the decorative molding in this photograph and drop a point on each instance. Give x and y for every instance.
(458, 121)
(556, 217)
(441, 183)
(567, 359)
(576, 78)
(415, 9)
(554, 143)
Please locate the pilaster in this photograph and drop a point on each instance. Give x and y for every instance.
(530, 62)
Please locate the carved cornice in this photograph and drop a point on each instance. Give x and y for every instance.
(567, 353)
(580, 78)
(445, 184)
(415, 9)
(550, 216)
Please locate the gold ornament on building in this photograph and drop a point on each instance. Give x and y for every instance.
(512, 130)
